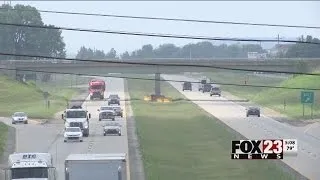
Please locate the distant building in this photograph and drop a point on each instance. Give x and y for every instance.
(256, 55)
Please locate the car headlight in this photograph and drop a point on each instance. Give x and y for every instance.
(65, 135)
(86, 127)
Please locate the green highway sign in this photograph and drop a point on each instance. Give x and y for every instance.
(307, 97)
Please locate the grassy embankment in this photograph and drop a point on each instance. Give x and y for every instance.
(271, 97)
(16, 96)
(180, 141)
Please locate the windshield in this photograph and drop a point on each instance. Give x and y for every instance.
(23, 173)
(76, 114)
(76, 124)
(117, 108)
(113, 96)
(20, 114)
(106, 108)
(73, 130)
(96, 86)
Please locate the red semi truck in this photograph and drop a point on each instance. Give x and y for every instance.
(97, 88)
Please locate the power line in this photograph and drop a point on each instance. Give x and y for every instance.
(155, 34)
(170, 19)
(149, 79)
(158, 64)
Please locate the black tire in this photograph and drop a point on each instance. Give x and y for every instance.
(219, 95)
(26, 122)
(258, 115)
(247, 115)
(64, 140)
(113, 119)
(210, 94)
(99, 119)
(81, 140)
(121, 115)
(13, 123)
(119, 134)
(104, 134)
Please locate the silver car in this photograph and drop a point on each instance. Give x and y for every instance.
(112, 129)
(19, 117)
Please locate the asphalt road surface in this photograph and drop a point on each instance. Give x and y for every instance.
(49, 137)
(234, 115)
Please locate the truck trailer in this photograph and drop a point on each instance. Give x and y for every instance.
(96, 167)
(97, 88)
(30, 166)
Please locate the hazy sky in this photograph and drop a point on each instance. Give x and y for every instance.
(273, 12)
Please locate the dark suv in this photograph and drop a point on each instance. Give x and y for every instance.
(206, 88)
(114, 99)
(255, 111)
(187, 86)
(215, 91)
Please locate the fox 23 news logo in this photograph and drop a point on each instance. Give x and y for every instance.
(257, 149)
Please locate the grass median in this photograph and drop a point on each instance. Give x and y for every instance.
(3, 136)
(17, 96)
(180, 141)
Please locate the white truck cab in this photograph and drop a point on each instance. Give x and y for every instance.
(77, 118)
(30, 166)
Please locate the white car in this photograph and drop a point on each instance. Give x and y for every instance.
(73, 134)
(19, 117)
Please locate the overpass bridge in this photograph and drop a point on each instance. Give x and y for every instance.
(165, 65)
(155, 66)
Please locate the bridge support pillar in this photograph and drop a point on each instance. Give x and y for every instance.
(157, 88)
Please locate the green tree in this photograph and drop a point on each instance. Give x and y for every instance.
(303, 50)
(125, 55)
(112, 53)
(26, 40)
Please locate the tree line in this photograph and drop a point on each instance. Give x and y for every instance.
(206, 49)
(88, 53)
(25, 40)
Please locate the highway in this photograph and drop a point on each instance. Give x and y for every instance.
(234, 115)
(49, 137)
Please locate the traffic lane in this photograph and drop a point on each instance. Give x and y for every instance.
(267, 122)
(258, 128)
(112, 143)
(60, 149)
(33, 137)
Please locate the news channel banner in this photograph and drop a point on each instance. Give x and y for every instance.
(264, 149)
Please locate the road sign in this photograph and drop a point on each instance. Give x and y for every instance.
(307, 97)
